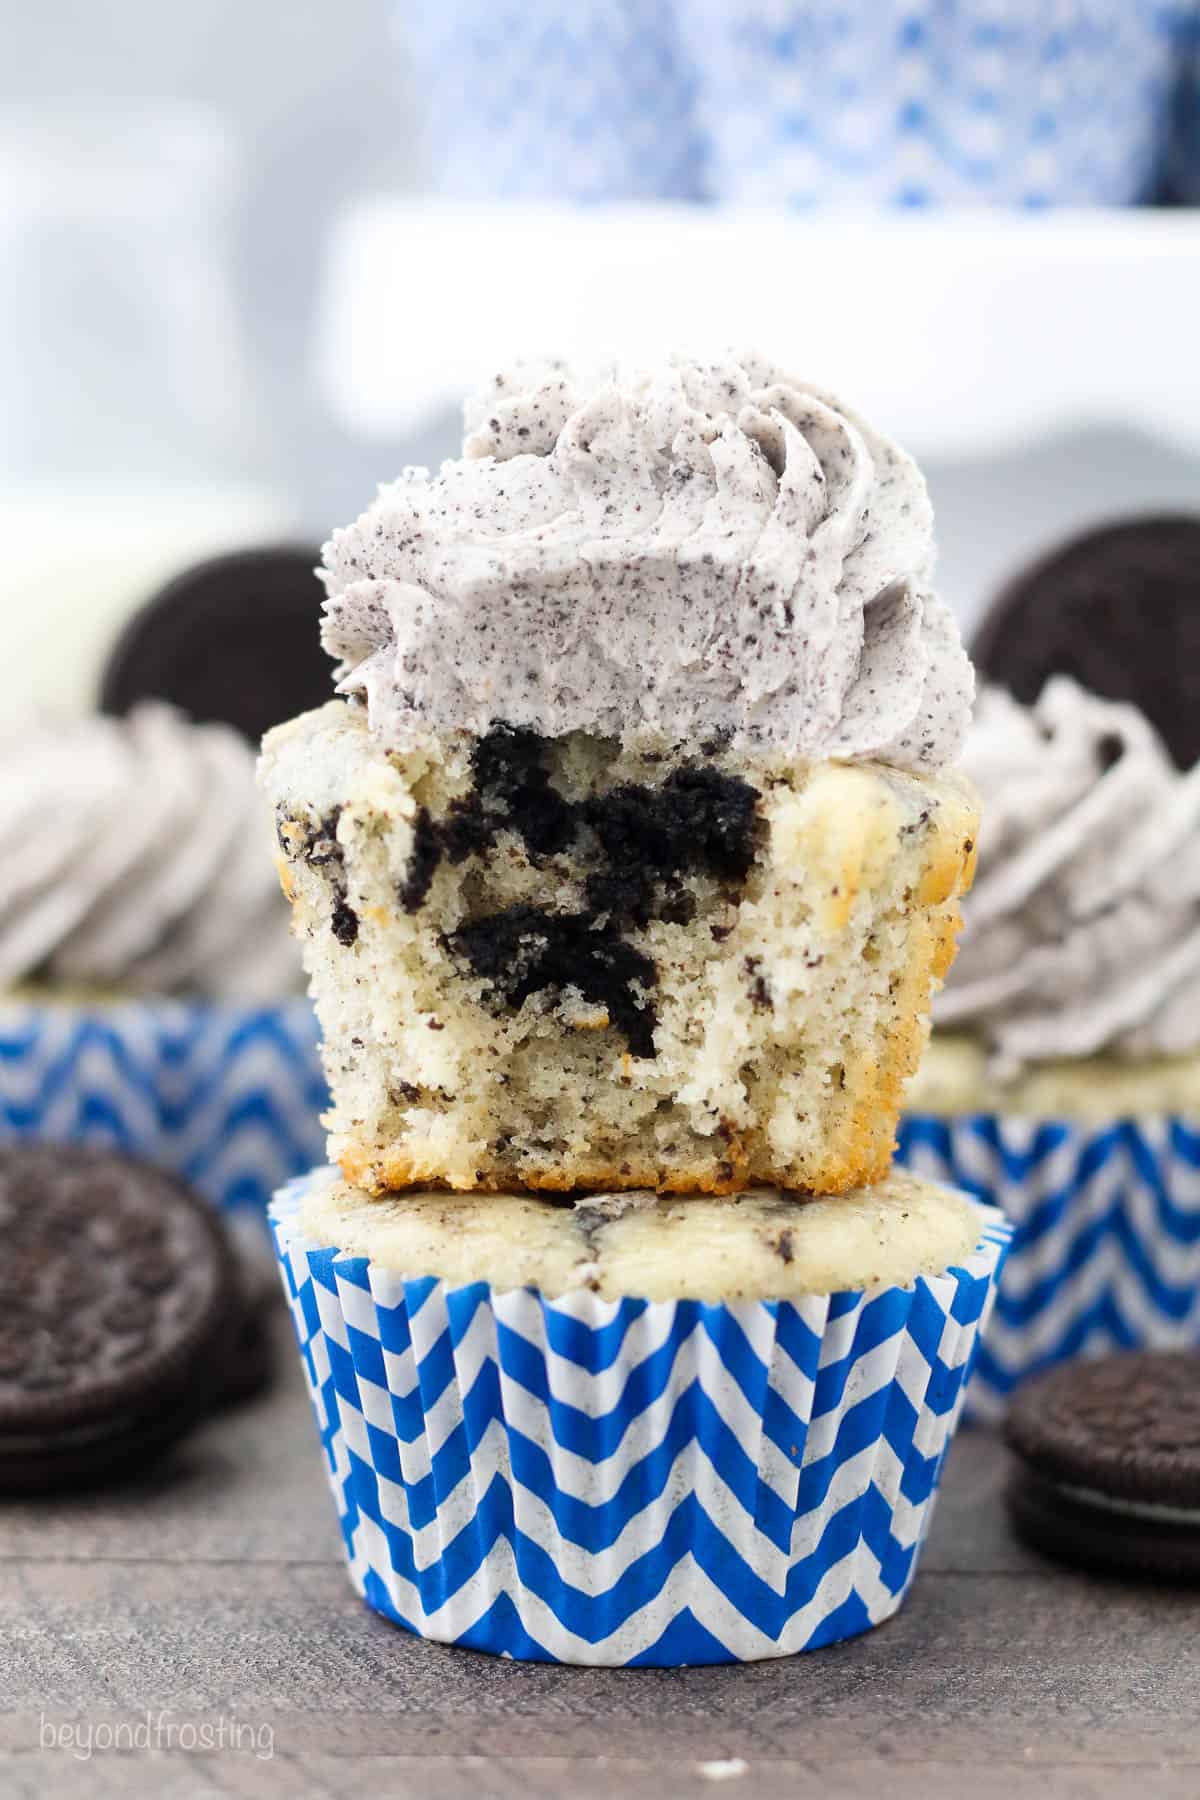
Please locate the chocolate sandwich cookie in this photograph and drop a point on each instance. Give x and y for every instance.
(120, 1315)
(235, 640)
(1109, 1469)
(1119, 609)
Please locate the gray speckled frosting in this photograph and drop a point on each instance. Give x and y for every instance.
(1083, 930)
(138, 857)
(662, 557)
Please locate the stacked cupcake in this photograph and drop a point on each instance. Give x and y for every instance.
(625, 869)
(1063, 1082)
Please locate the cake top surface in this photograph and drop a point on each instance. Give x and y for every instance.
(1083, 930)
(760, 1245)
(704, 550)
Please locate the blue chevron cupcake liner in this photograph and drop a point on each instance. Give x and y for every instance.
(1106, 1239)
(630, 1482)
(227, 1097)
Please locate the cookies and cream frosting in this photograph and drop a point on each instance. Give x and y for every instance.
(137, 856)
(707, 550)
(1083, 930)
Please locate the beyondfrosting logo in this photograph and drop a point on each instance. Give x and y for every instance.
(161, 1732)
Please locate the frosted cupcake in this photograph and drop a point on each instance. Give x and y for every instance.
(628, 864)
(1063, 1081)
(632, 856)
(151, 996)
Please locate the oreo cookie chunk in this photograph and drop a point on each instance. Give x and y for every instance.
(1109, 1469)
(1119, 609)
(235, 640)
(120, 1313)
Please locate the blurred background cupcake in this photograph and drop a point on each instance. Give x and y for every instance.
(151, 998)
(1063, 1079)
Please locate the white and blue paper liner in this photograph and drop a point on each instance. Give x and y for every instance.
(586, 100)
(812, 102)
(903, 102)
(1106, 1235)
(229, 1098)
(630, 1482)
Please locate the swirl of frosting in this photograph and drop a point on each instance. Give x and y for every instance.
(709, 549)
(1083, 928)
(139, 857)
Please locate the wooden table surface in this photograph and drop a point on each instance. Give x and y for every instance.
(211, 1599)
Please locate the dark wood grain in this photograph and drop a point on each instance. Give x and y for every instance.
(215, 1592)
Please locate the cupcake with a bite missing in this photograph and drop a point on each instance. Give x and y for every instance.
(625, 872)
(632, 856)
(1063, 1079)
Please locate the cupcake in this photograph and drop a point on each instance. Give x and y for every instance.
(634, 1429)
(632, 855)
(151, 996)
(624, 871)
(1063, 1080)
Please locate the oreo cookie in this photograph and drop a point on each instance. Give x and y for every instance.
(235, 640)
(1108, 1474)
(121, 1312)
(1119, 609)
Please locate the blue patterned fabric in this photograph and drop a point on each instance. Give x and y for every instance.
(229, 1098)
(1106, 1244)
(802, 102)
(630, 1482)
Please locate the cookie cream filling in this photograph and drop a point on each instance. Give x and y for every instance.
(1083, 930)
(1151, 1510)
(706, 551)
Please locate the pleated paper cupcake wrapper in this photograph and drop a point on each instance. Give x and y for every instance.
(1106, 1235)
(556, 99)
(862, 104)
(766, 104)
(229, 1098)
(659, 1483)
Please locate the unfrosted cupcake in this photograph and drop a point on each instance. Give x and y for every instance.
(151, 996)
(1063, 1080)
(633, 855)
(635, 1429)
